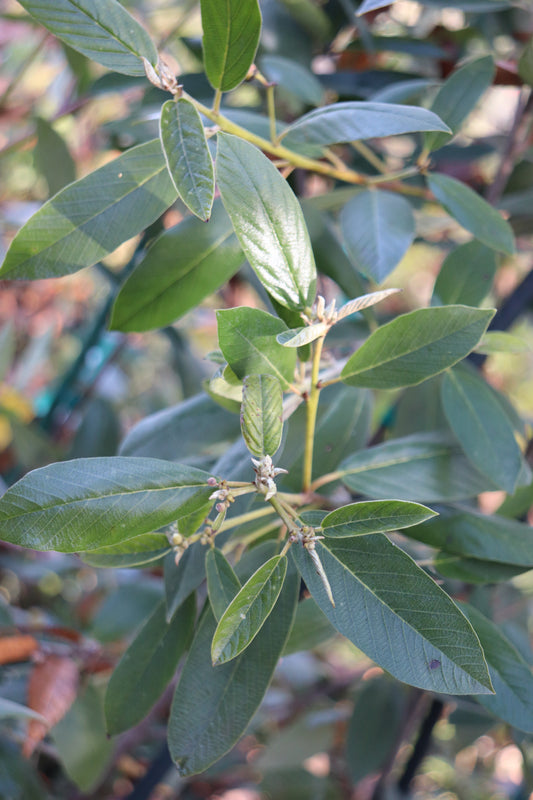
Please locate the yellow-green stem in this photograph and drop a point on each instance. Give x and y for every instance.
(324, 479)
(370, 156)
(312, 408)
(283, 514)
(242, 519)
(217, 101)
(272, 114)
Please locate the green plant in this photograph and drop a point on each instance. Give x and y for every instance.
(300, 375)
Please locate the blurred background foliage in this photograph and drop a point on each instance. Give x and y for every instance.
(70, 388)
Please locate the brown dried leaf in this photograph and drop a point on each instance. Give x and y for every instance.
(51, 692)
(16, 648)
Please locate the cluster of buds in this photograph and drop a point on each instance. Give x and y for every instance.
(307, 537)
(162, 77)
(265, 474)
(320, 312)
(178, 542)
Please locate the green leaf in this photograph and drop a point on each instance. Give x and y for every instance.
(231, 35)
(458, 95)
(501, 342)
(378, 227)
(184, 265)
(9, 709)
(52, 157)
(477, 536)
(248, 611)
(90, 218)
(80, 739)
(362, 302)
(147, 666)
(261, 414)
(416, 346)
(510, 674)
(93, 502)
(371, 5)
(393, 611)
(213, 706)
(472, 212)
(525, 63)
(374, 516)
(183, 578)
(375, 726)
(298, 337)
(477, 418)
(194, 431)
(268, 221)
(225, 389)
(346, 122)
(473, 570)
(102, 31)
(136, 552)
(421, 467)
(294, 77)
(247, 338)
(466, 275)
(187, 155)
(222, 582)
(310, 628)
(7, 348)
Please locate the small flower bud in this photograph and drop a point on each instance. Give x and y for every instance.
(212, 481)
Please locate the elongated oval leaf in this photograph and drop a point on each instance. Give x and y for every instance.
(187, 155)
(510, 674)
(294, 77)
(247, 338)
(476, 536)
(147, 666)
(231, 35)
(261, 414)
(374, 516)
(213, 705)
(346, 122)
(248, 611)
(92, 502)
(222, 582)
(466, 275)
(458, 95)
(378, 227)
(268, 221)
(364, 301)
(184, 265)
(90, 218)
(298, 337)
(102, 30)
(421, 467)
(143, 549)
(477, 418)
(501, 342)
(416, 346)
(473, 213)
(393, 611)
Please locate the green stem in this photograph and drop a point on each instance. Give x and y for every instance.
(282, 512)
(408, 172)
(324, 479)
(312, 408)
(242, 519)
(370, 156)
(217, 101)
(272, 114)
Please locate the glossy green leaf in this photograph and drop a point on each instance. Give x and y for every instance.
(184, 265)
(248, 611)
(393, 611)
(261, 414)
(466, 275)
(90, 218)
(416, 346)
(102, 31)
(346, 122)
(93, 502)
(294, 77)
(476, 536)
(473, 212)
(183, 578)
(147, 666)
(421, 467)
(225, 389)
(194, 431)
(213, 705)
(52, 157)
(136, 552)
(374, 516)
(268, 221)
(247, 338)
(477, 418)
(187, 155)
(222, 582)
(378, 228)
(298, 337)
(458, 95)
(510, 674)
(80, 740)
(231, 35)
